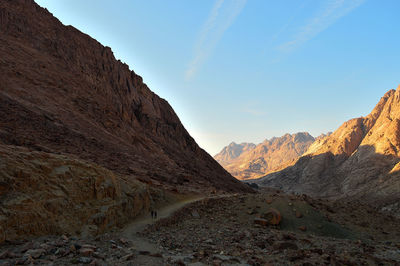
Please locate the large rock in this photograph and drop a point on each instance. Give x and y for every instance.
(273, 216)
(359, 160)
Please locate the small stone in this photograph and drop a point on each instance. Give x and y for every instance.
(123, 241)
(195, 214)
(98, 255)
(84, 260)
(217, 262)
(128, 257)
(35, 253)
(46, 247)
(303, 228)
(299, 214)
(261, 221)
(86, 252)
(89, 246)
(221, 257)
(144, 252)
(251, 212)
(59, 251)
(269, 200)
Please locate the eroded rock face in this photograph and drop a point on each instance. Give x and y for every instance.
(248, 160)
(360, 159)
(45, 193)
(63, 92)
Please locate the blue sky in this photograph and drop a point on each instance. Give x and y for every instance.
(244, 71)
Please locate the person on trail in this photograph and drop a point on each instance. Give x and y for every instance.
(152, 214)
(155, 214)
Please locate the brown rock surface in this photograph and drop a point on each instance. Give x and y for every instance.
(359, 160)
(273, 216)
(232, 151)
(248, 160)
(46, 193)
(61, 91)
(85, 145)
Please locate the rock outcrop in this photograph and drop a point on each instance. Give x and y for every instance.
(66, 104)
(359, 160)
(247, 160)
(44, 193)
(232, 151)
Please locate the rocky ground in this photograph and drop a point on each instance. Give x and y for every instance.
(232, 230)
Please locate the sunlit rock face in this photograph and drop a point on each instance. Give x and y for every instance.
(248, 160)
(360, 159)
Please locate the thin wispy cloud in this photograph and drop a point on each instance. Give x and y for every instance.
(331, 12)
(221, 17)
(290, 20)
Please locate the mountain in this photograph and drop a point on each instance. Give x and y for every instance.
(248, 160)
(360, 160)
(232, 151)
(70, 113)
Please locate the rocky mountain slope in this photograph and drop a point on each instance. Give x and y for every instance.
(360, 159)
(248, 160)
(66, 103)
(232, 151)
(211, 231)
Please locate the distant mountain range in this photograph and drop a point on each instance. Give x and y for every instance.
(360, 160)
(248, 160)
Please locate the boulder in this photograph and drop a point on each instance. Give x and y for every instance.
(273, 216)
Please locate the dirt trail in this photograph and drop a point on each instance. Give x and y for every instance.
(142, 244)
(142, 221)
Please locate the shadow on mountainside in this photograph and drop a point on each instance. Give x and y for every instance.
(365, 175)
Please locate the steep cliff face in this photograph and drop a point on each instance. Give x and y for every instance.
(360, 159)
(246, 161)
(84, 144)
(63, 92)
